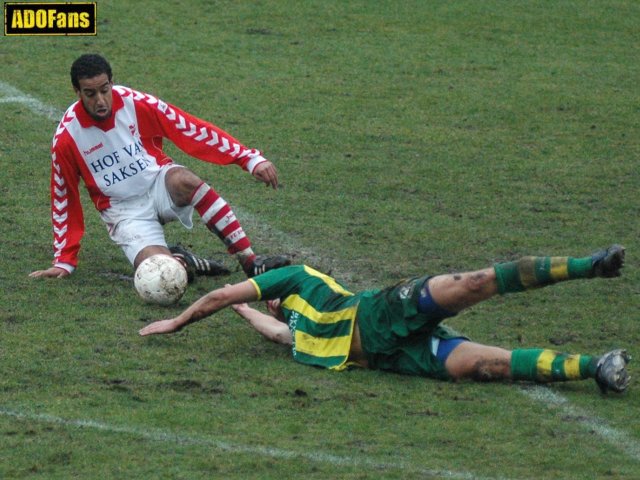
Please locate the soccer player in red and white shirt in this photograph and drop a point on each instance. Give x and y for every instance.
(112, 138)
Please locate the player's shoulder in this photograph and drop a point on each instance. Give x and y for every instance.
(144, 102)
(286, 271)
(61, 135)
(279, 275)
(304, 273)
(124, 91)
(133, 94)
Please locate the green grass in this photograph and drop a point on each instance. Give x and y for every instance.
(410, 137)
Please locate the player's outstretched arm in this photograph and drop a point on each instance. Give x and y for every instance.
(53, 272)
(203, 307)
(268, 326)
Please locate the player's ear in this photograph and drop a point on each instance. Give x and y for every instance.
(274, 309)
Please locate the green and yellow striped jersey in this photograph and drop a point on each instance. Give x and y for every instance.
(319, 311)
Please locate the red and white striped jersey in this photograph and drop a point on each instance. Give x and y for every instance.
(120, 157)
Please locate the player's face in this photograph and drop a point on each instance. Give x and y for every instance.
(96, 96)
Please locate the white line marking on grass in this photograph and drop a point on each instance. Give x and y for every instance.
(260, 233)
(10, 94)
(164, 436)
(615, 437)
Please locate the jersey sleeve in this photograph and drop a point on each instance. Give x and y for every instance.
(192, 135)
(66, 208)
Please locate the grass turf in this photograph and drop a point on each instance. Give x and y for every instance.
(410, 137)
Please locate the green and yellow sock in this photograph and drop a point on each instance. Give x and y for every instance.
(536, 272)
(542, 365)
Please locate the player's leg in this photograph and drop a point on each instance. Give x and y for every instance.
(535, 272)
(133, 226)
(454, 292)
(150, 251)
(487, 363)
(170, 198)
(457, 291)
(188, 190)
(475, 361)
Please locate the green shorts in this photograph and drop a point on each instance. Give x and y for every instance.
(396, 337)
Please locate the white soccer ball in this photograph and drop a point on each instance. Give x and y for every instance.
(160, 279)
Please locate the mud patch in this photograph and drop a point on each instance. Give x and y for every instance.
(120, 386)
(117, 276)
(562, 339)
(424, 413)
(193, 386)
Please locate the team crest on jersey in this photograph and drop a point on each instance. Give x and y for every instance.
(132, 129)
(406, 291)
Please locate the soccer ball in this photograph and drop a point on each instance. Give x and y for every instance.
(160, 279)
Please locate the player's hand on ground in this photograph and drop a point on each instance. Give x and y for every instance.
(53, 272)
(266, 172)
(161, 326)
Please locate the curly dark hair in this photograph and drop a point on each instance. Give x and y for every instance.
(89, 65)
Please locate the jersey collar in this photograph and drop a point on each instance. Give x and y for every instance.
(87, 120)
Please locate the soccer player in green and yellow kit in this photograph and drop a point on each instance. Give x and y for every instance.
(399, 328)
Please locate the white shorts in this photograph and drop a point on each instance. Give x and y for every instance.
(136, 222)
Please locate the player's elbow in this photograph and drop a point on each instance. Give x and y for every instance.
(281, 336)
(283, 339)
(218, 299)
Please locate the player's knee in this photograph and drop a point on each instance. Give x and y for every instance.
(477, 281)
(181, 184)
(185, 178)
(485, 370)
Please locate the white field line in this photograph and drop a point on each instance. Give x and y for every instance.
(270, 235)
(10, 94)
(555, 401)
(165, 436)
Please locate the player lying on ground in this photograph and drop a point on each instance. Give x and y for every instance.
(112, 138)
(398, 328)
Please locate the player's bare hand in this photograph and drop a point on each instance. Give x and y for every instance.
(161, 326)
(53, 272)
(266, 172)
